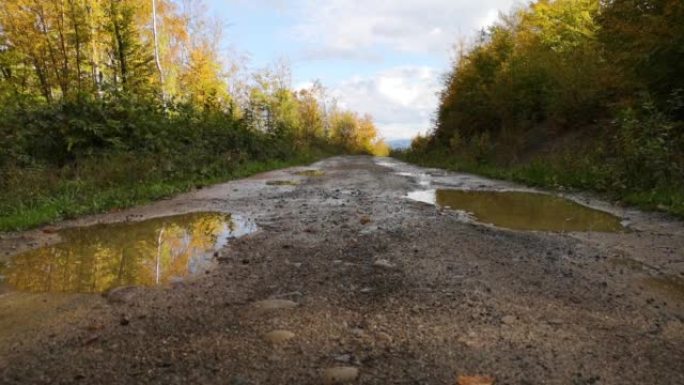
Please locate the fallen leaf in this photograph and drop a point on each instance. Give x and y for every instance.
(50, 230)
(475, 380)
(94, 326)
(365, 219)
(91, 339)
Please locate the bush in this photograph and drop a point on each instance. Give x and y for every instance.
(647, 152)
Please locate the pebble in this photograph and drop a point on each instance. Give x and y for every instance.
(384, 337)
(340, 375)
(238, 380)
(272, 304)
(346, 358)
(279, 336)
(384, 264)
(508, 320)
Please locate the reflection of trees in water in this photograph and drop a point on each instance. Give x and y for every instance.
(98, 258)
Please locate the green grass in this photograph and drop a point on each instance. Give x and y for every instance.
(36, 197)
(559, 175)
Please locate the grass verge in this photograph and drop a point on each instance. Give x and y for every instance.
(34, 197)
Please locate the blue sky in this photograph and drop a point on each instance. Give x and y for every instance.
(379, 57)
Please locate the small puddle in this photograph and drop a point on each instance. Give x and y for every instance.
(631, 264)
(522, 210)
(282, 183)
(670, 286)
(406, 174)
(384, 163)
(310, 173)
(97, 258)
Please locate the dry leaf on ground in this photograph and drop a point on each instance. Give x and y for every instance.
(475, 380)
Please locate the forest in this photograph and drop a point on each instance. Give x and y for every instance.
(581, 94)
(109, 103)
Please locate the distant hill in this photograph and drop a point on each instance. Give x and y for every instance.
(398, 144)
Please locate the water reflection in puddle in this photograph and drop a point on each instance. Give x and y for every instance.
(310, 173)
(97, 258)
(425, 196)
(522, 210)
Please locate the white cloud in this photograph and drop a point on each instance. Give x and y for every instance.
(349, 27)
(356, 28)
(401, 100)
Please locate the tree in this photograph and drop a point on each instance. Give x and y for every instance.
(157, 60)
(311, 115)
(645, 38)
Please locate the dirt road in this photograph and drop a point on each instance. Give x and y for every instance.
(358, 276)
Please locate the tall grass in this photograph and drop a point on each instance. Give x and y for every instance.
(44, 195)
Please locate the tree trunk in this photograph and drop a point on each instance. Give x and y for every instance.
(156, 49)
(94, 60)
(120, 45)
(77, 42)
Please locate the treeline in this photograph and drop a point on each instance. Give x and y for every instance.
(578, 93)
(128, 94)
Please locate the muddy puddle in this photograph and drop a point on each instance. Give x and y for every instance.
(282, 183)
(310, 173)
(670, 286)
(522, 210)
(97, 258)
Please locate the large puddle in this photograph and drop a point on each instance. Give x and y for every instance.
(522, 210)
(98, 258)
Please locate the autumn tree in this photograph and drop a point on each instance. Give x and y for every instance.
(645, 39)
(311, 115)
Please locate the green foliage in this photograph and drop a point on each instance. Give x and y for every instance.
(645, 38)
(72, 158)
(648, 149)
(32, 197)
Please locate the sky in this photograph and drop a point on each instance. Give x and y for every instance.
(381, 57)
